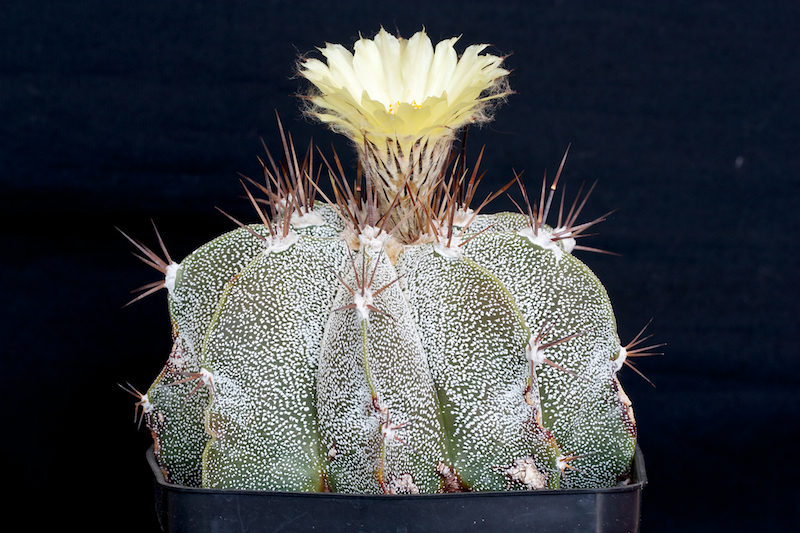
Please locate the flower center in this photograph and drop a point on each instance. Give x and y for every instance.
(395, 106)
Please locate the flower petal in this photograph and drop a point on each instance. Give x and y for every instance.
(340, 64)
(442, 67)
(390, 50)
(415, 67)
(368, 66)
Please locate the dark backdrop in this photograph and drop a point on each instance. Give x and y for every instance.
(112, 113)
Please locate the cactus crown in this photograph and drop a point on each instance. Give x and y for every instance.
(392, 340)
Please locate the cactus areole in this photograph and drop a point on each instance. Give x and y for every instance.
(390, 339)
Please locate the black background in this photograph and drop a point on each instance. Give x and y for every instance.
(685, 111)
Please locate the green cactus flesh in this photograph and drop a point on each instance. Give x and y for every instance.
(319, 355)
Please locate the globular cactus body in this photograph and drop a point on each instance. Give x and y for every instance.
(287, 380)
(392, 341)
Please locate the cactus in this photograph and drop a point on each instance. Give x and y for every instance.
(391, 340)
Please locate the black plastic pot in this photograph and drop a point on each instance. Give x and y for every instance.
(185, 509)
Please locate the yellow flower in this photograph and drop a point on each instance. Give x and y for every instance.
(403, 87)
(401, 102)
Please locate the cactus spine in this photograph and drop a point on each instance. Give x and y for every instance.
(393, 340)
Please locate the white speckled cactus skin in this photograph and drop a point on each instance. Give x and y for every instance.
(393, 340)
(311, 363)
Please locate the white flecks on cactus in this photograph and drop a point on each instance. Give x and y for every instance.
(263, 347)
(176, 422)
(310, 348)
(576, 392)
(177, 356)
(474, 337)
